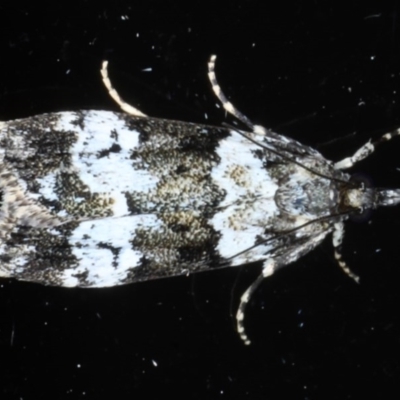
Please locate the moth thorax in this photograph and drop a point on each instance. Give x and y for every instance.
(304, 196)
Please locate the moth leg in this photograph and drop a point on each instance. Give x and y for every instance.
(230, 108)
(114, 94)
(271, 265)
(365, 150)
(268, 269)
(337, 239)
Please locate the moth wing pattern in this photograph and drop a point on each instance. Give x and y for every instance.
(106, 198)
(120, 200)
(99, 198)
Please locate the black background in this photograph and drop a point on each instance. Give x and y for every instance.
(325, 74)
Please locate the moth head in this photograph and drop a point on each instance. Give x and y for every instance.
(361, 197)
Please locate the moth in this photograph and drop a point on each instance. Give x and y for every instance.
(100, 198)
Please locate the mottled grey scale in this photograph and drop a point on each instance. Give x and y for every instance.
(49, 253)
(98, 198)
(184, 244)
(79, 119)
(33, 146)
(184, 197)
(167, 150)
(181, 157)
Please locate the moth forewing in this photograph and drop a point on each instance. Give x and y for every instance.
(99, 198)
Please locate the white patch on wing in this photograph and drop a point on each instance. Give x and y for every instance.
(249, 201)
(47, 184)
(112, 174)
(105, 268)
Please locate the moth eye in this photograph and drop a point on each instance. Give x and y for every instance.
(361, 215)
(361, 181)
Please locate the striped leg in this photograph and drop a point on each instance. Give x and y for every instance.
(337, 238)
(114, 94)
(270, 266)
(365, 150)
